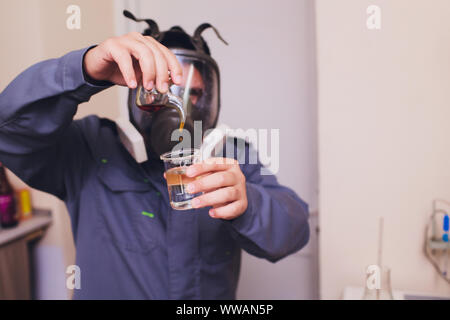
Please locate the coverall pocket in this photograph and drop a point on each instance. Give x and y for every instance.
(122, 219)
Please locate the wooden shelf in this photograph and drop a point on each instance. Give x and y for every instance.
(40, 220)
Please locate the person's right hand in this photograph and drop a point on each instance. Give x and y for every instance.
(132, 59)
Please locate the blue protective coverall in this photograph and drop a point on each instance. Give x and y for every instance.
(130, 243)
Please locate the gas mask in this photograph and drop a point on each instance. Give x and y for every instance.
(196, 99)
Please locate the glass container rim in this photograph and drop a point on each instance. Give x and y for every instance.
(172, 155)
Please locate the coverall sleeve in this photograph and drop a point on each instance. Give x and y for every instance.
(275, 223)
(39, 141)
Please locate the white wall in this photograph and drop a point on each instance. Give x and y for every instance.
(383, 137)
(34, 30)
(271, 55)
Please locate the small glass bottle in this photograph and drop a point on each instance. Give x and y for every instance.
(8, 212)
(152, 101)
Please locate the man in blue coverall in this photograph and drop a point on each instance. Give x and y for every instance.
(130, 243)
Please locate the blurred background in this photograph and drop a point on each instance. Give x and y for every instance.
(362, 115)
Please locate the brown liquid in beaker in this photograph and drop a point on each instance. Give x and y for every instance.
(177, 176)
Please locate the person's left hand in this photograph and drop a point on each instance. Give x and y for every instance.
(223, 184)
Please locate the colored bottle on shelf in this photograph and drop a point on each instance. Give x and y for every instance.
(25, 204)
(8, 212)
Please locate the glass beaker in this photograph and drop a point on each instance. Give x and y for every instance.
(153, 100)
(176, 164)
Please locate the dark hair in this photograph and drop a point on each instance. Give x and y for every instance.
(176, 37)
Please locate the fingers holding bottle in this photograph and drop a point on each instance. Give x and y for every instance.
(133, 59)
